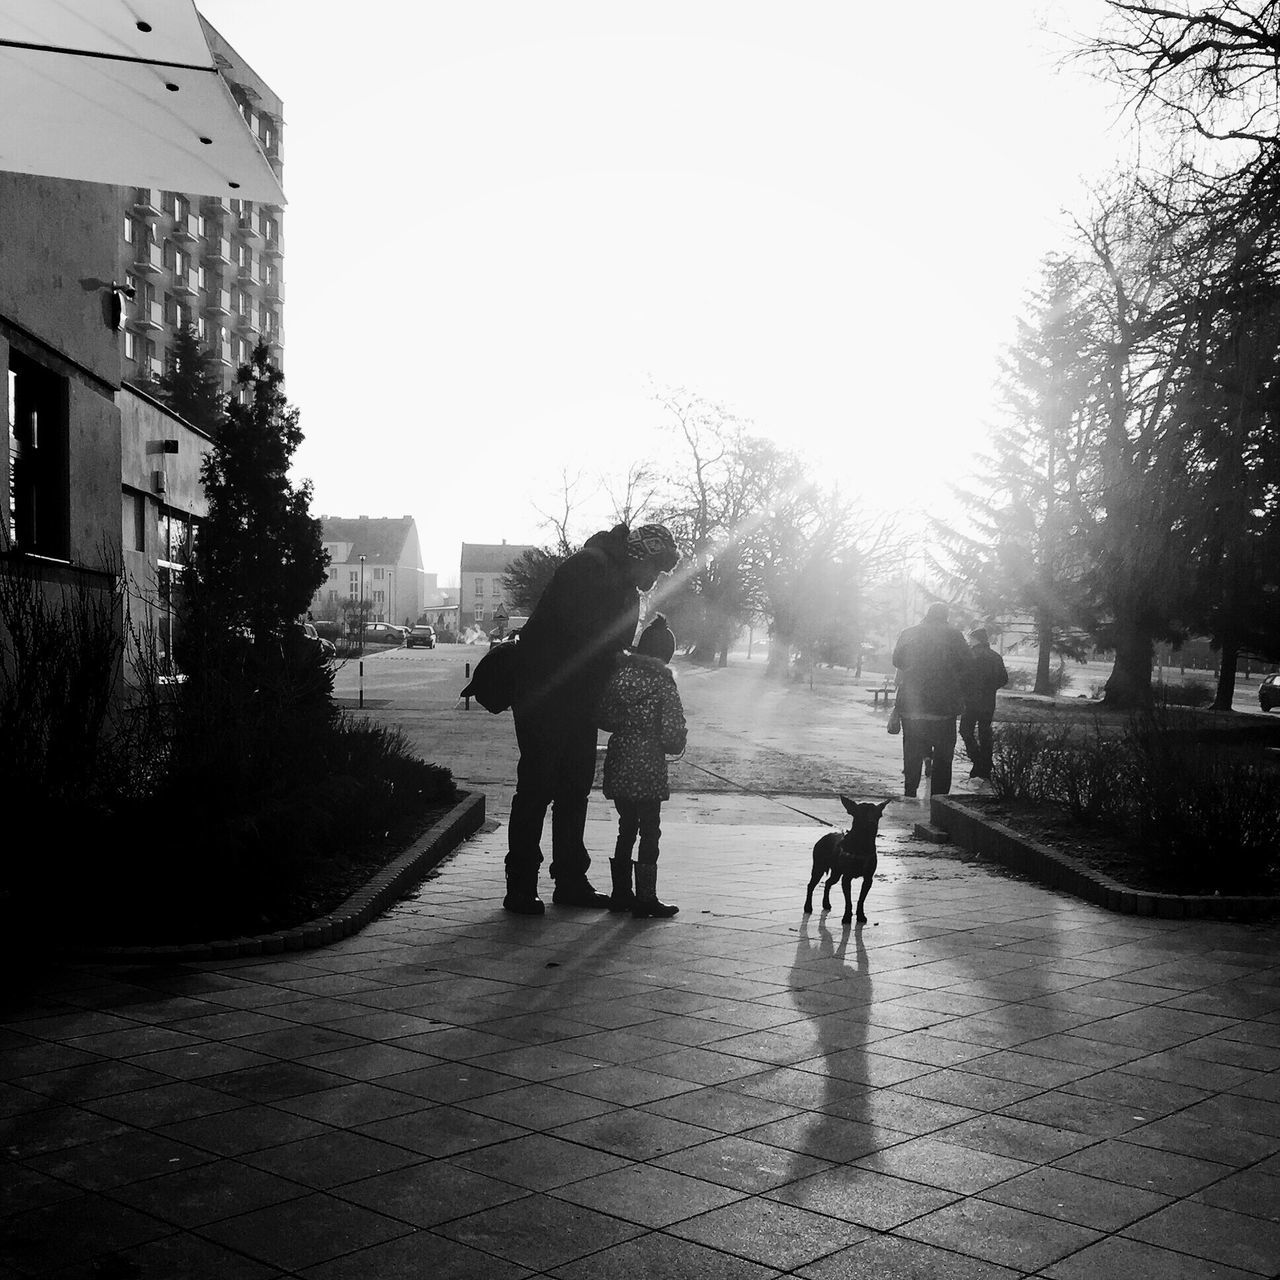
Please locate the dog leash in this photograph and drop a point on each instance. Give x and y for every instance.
(762, 794)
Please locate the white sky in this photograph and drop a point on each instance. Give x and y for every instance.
(509, 220)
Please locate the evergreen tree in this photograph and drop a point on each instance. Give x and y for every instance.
(528, 574)
(192, 384)
(1018, 553)
(258, 555)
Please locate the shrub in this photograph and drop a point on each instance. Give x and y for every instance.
(1204, 817)
(1186, 693)
(1024, 678)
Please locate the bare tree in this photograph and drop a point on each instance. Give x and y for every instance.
(634, 495)
(1207, 68)
(569, 501)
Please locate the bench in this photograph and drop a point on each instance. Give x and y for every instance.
(886, 692)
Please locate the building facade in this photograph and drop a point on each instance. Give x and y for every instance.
(375, 560)
(212, 263)
(482, 599)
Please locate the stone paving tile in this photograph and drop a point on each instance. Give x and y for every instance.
(1163, 1171)
(770, 1233)
(430, 1193)
(1118, 1259)
(1073, 1197)
(221, 1189)
(182, 1255)
(658, 1256)
(74, 1231)
(303, 1232)
(635, 1134)
(1218, 1235)
(724, 1110)
(864, 1196)
(114, 1162)
(331, 1158)
(743, 1164)
(249, 1128)
(441, 1131)
(539, 1232)
(414, 1257)
(1000, 1234)
(891, 1257)
(647, 1195)
(536, 1106)
(1252, 1191)
(945, 1165)
(541, 1161)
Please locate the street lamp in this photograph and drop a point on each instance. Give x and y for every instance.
(360, 606)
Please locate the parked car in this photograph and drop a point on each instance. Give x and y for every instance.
(1269, 692)
(383, 633)
(305, 633)
(423, 635)
(329, 630)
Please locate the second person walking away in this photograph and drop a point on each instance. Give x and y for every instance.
(988, 675)
(642, 712)
(935, 663)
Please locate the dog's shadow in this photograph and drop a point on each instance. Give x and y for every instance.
(835, 991)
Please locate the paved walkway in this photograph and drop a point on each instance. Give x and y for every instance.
(988, 1080)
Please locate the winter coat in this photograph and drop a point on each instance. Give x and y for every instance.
(585, 617)
(935, 663)
(642, 711)
(988, 675)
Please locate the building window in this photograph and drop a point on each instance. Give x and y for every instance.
(38, 514)
(479, 586)
(377, 573)
(479, 613)
(497, 586)
(129, 231)
(133, 520)
(379, 597)
(130, 345)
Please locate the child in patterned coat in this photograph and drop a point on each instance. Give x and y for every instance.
(641, 709)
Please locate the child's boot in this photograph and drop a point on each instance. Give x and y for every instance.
(622, 898)
(647, 905)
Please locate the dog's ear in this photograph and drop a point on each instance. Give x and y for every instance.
(851, 806)
(883, 805)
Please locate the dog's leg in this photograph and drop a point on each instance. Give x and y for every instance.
(845, 882)
(862, 897)
(826, 888)
(808, 897)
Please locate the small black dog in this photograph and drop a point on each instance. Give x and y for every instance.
(844, 856)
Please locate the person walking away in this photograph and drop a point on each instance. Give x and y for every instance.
(642, 712)
(987, 675)
(586, 616)
(934, 662)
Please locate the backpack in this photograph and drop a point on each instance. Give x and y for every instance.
(495, 683)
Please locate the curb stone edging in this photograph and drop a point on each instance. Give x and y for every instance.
(363, 906)
(993, 839)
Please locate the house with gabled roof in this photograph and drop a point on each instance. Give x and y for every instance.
(376, 559)
(482, 596)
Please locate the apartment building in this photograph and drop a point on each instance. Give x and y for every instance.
(482, 595)
(211, 262)
(376, 560)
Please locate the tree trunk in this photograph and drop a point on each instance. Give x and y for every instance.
(1129, 685)
(779, 658)
(1227, 673)
(1044, 639)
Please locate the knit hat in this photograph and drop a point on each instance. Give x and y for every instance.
(653, 542)
(656, 640)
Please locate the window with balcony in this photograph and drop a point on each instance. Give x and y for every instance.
(38, 485)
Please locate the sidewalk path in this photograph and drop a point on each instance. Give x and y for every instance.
(988, 1080)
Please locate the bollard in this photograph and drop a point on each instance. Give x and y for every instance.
(468, 700)
(361, 700)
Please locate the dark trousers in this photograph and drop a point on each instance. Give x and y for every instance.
(556, 769)
(975, 729)
(933, 738)
(641, 817)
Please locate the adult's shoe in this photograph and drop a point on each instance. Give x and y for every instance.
(523, 903)
(578, 893)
